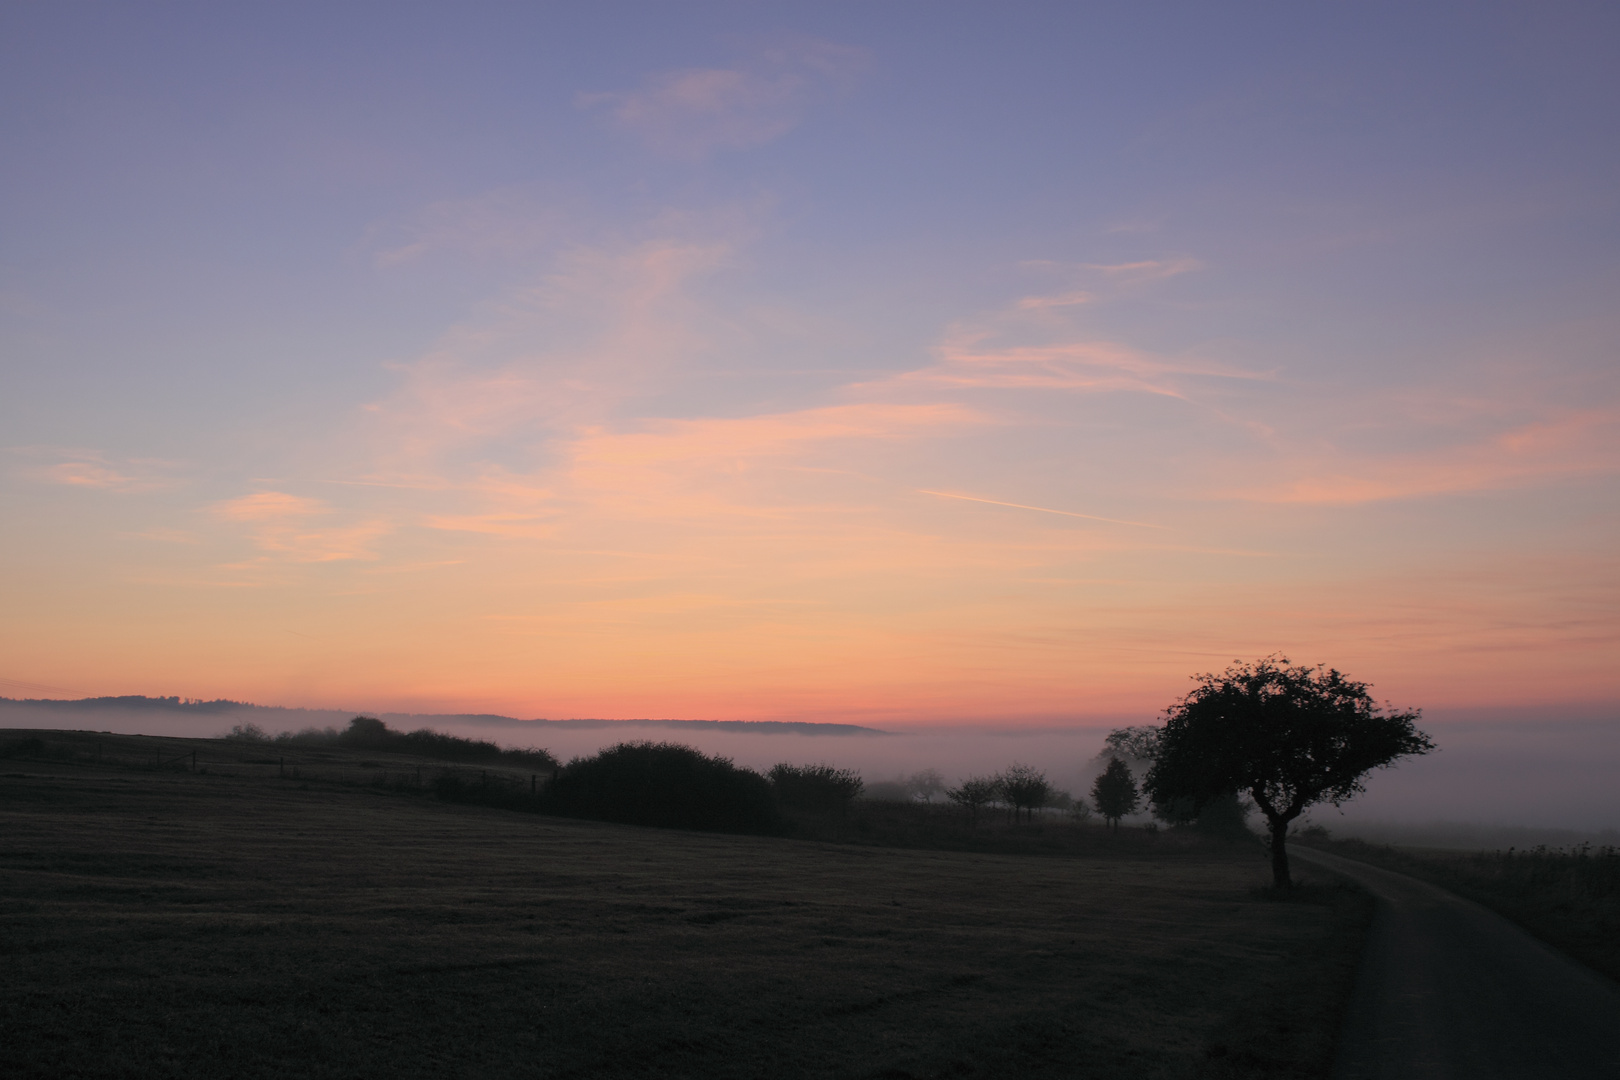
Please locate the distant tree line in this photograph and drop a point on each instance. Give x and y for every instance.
(369, 733)
(1020, 789)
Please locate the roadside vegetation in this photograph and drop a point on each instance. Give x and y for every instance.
(1568, 897)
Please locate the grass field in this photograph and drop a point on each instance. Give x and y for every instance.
(156, 922)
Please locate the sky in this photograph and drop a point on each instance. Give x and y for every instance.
(931, 365)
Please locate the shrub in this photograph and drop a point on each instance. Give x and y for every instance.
(816, 788)
(664, 784)
(248, 733)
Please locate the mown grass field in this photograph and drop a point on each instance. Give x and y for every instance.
(165, 923)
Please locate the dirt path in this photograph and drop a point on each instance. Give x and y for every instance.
(1448, 989)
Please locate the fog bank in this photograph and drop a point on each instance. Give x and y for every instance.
(1534, 772)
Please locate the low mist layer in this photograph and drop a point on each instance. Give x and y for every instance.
(1550, 778)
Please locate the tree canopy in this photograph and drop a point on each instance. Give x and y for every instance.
(1140, 743)
(1025, 788)
(975, 792)
(1290, 736)
(1115, 792)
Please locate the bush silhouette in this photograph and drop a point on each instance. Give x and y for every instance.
(817, 788)
(664, 784)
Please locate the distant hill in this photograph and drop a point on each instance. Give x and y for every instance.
(13, 713)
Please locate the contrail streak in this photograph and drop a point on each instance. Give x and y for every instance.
(1042, 509)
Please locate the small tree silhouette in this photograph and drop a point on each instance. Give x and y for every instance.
(1115, 792)
(1025, 788)
(926, 784)
(973, 793)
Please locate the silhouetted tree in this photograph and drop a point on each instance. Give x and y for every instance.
(1115, 792)
(1139, 743)
(817, 788)
(926, 784)
(1025, 789)
(1289, 736)
(366, 731)
(973, 793)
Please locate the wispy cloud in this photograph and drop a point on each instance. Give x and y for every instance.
(694, 111)
(1040, 509)
(91, 469)
(288, 528)
(969, 359)
(744, 439)
(269, 506)
(1068, 299)
(1146, 270)
(1575, 443)
(548, 357)
(502, 223)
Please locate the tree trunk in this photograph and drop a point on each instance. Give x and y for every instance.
(1279, 854)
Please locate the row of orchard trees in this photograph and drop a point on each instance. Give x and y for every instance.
(1021, 789)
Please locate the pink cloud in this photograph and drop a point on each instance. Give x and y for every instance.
(281, 526)
(745, 438)
(81, 468)
(269, 506)
(1146, 269)
(1082, 366)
